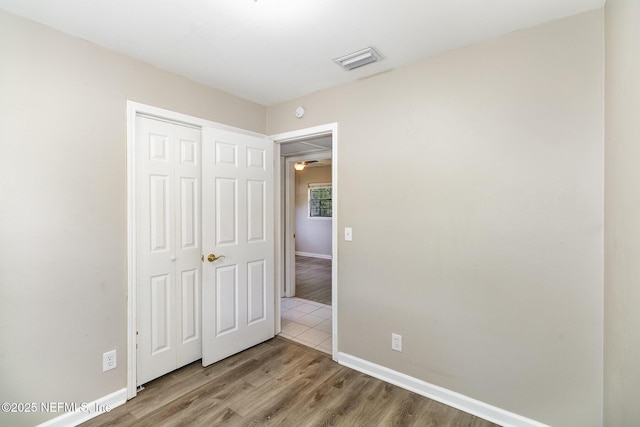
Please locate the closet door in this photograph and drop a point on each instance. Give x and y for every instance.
(238, 229)
(168, 230)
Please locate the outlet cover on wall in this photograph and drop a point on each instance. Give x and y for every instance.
(109, 360)
(396, 342)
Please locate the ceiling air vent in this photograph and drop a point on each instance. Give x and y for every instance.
(358, 59)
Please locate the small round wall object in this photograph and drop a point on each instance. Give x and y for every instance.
(299, 112)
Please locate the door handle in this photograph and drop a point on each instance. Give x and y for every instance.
(212, 257)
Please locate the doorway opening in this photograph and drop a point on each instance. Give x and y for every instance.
(308, 286)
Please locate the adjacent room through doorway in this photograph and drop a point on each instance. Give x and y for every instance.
(306, 312)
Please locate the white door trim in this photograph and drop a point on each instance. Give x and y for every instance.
(322, 130)
(133, 109)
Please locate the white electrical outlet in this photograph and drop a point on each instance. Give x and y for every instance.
(109, 360)
(396, 342)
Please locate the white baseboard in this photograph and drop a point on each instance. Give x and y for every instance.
(86, 411)
(309, 254)
(440, 394)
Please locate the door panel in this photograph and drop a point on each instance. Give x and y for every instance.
(227, 299)
(188, 215)
(256, 212)
(189, 152)
(257, 291)
(238, 289)
(190, 306)
(226, 154)
(168, 237)
(188, 249)
(226, 202)
(159, 144)
(161, 291)
(159, 208)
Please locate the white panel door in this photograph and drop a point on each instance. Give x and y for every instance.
(168, 240)
(188, 171)
(237, 223)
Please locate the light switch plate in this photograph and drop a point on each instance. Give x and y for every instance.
(348, 234)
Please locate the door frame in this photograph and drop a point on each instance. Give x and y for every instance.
(283, 242)
(134, 109)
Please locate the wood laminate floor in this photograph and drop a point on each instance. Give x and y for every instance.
(313, 279)
(279, 383)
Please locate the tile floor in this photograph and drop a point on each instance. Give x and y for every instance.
(307, 322)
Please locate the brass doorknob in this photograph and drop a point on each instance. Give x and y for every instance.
(212, 257)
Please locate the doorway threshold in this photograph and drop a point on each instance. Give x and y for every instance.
(307, 322)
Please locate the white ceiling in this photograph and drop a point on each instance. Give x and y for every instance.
(270, 51)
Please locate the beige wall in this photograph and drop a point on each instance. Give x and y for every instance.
(63, 206)
(486, 252)
(622, 214)
(313, 235)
